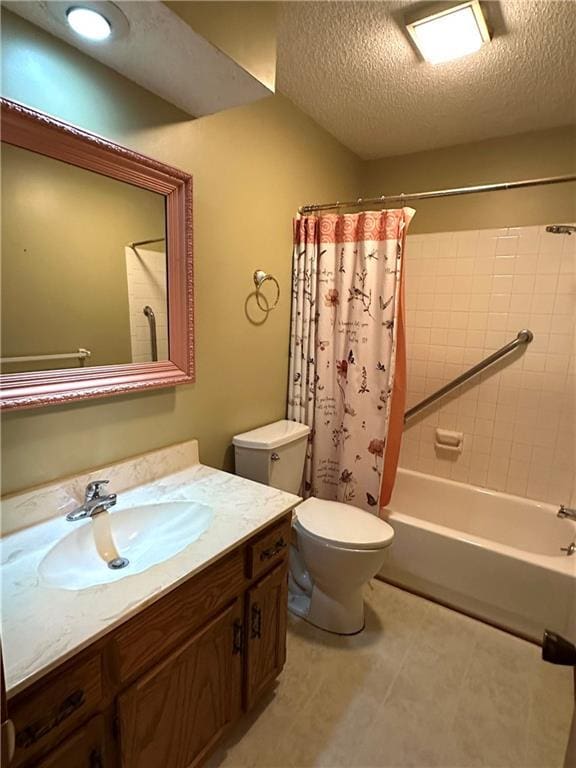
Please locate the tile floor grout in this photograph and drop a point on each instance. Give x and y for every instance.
(404, 657)
(422, 686)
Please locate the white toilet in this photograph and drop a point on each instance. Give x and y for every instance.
(340, 547)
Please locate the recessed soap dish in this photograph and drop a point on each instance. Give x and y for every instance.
(447, 440)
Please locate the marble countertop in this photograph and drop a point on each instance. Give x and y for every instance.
(42, 626)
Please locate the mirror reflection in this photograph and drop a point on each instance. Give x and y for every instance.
(84, 277)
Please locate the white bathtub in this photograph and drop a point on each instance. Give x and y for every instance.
(486, 553)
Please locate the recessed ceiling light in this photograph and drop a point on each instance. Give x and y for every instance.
(89, 23)
(451, 33)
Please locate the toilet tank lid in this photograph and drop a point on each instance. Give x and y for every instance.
(343, 525)
(271, 435)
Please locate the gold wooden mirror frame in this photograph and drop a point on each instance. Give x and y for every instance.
(40, 133)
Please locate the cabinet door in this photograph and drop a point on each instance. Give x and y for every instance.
(84, 749)
(173, 715)
(266, 615)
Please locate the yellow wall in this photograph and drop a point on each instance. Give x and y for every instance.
(64, 282)
(252, 167)
(245, 31)
(525, 156)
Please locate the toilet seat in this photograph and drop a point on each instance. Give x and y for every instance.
(342, 525)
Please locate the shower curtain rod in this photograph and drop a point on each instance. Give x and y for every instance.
(404, 198)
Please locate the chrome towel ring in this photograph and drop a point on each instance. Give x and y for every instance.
(260, 278)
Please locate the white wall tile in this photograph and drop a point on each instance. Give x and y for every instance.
(146, 275)
(507, 245)
(467, 294)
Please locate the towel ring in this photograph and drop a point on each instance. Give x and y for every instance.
(260, 278)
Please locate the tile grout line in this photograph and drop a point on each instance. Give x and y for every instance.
(409, 646)
(459, 696)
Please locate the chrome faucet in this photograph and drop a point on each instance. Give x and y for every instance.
(94, 502)
(566, 512)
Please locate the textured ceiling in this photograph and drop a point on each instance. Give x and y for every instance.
(350, 67)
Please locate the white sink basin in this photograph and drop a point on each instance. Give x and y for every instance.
(145, 536)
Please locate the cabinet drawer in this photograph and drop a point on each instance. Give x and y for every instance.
(51, 711)
(86, 748)
(269, 549)
(161, 627)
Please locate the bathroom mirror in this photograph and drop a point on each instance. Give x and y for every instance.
(96, 266)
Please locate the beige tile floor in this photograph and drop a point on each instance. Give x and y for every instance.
(422, 686)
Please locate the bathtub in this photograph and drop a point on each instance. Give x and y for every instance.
(488, 554)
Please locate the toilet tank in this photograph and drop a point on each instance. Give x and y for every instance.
(273, 454)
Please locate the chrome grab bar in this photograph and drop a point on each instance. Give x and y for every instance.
(149, 312)
(524, 337)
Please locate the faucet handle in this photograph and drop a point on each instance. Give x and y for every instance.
(93, 489)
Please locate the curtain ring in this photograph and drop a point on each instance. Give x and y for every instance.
(260, 278)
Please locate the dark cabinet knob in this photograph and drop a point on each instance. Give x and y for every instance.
(256, 622)
(238, 637)
(274, 550)
(32, 733)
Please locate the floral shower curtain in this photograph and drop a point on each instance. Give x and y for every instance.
(347, 363)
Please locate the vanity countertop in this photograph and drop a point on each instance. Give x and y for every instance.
(42, 626)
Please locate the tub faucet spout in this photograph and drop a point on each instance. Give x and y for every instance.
(566, 512)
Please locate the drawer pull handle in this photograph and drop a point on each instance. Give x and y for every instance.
(238, 642)
(274, 550)
(32, 733)
(256, 623)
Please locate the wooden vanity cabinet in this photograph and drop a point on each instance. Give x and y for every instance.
(174, 714)
(161, 690)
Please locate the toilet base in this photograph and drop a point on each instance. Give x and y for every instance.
(339, 614)
(299, 605)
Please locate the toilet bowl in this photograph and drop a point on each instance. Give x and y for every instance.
(339, 547)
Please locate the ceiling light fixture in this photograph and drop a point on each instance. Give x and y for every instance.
(450, 33)
(88, 23)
